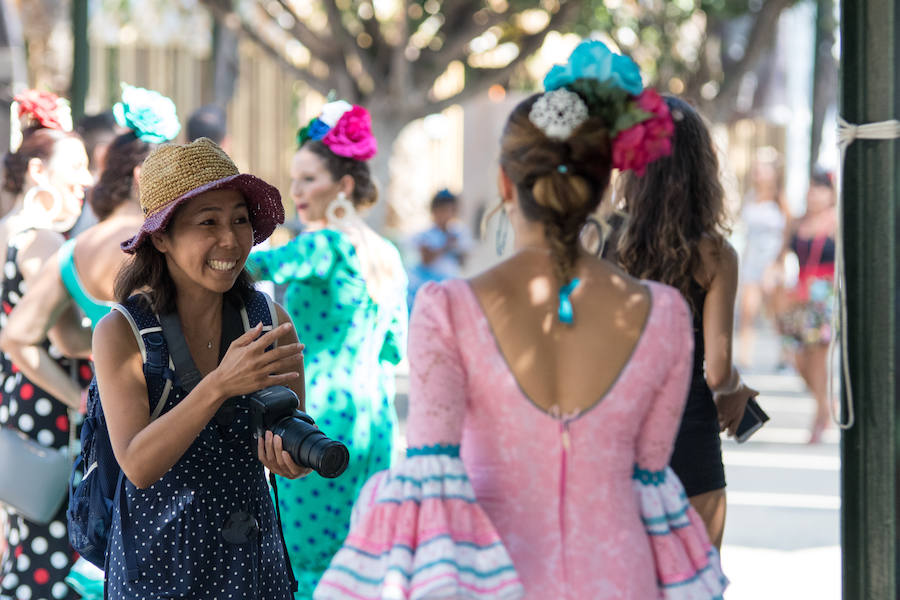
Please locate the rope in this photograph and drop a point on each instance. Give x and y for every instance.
(847, 134)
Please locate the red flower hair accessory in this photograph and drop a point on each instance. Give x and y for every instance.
(45, 109)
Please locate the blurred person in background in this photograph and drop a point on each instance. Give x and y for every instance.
(48, 174)
(98, 132)
(443, 247)
(765, 218)
(83, 272)
(345, 289)
(674, 232)
(805, 321)
(209, 121)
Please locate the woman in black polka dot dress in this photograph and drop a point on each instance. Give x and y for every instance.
(39, 556)
(194, 473)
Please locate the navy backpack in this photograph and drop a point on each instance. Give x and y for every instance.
(91, 498)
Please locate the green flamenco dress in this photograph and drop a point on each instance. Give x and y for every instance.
(352, 347)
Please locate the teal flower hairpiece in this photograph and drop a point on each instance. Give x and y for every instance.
(149, 114)
(593, 60)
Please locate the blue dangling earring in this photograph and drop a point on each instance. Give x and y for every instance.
(502, 234)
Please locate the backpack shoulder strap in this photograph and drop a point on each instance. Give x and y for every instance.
(260, 308)
(158, 367)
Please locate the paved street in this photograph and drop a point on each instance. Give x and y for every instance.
(782, 534)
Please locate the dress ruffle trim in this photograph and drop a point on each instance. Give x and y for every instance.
(418, 533)
(687, 564)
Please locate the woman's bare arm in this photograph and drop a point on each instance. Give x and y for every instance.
(36, 315)
(730, 393)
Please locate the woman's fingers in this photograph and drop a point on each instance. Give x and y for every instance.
(271, 336)
(248, 336)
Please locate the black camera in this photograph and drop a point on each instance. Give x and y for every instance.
(275, 409)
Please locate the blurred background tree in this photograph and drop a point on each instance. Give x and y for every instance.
(404, 59)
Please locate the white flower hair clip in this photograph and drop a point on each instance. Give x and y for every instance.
(558, 113)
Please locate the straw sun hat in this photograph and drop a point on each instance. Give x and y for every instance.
(173, 174)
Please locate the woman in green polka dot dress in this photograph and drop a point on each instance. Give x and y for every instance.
(345, 291)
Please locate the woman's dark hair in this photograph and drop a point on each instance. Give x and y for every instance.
(37, 142)
(148, 272)
(117, 180)
(678, 202)
(559, 182)
(364, 191)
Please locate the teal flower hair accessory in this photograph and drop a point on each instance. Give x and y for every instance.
(149, 114)
(591, 59)
(610, 85)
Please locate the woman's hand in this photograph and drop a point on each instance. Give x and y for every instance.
(247, 366)
(731, 407)
(273, 456)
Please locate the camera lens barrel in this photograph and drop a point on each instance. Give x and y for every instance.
(311, 448)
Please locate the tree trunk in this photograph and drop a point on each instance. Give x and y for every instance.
(824, 76)
(80, 58)
(225, 63)
(48, 30)
(387, 128)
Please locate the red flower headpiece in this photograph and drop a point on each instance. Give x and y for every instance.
(45, 109)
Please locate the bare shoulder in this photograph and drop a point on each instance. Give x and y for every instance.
(114, 337)
(718, 258)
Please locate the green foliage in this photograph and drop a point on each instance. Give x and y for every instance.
(609, 103)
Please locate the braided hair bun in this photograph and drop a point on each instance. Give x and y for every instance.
(560, 182)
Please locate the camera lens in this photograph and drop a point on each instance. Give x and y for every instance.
(311, 448)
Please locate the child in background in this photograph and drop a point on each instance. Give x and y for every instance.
(443, 247)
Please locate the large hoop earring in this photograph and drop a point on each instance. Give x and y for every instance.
(36, 213)
(593, 246)
(340, 203)
(501, 236)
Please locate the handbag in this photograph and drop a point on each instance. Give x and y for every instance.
(34, 478)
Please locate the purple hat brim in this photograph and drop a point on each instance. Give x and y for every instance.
(263, 204)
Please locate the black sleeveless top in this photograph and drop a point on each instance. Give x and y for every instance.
(697, 456)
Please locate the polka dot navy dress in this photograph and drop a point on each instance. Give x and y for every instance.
(176, 525)
(39, 556)
(352, 346)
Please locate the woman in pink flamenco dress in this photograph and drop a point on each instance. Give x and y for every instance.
(545, 395)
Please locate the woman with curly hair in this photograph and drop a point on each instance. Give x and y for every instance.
(674, 233)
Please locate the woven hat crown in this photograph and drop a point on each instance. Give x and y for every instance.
(171, 171)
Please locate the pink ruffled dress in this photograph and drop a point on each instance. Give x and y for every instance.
(500, 499)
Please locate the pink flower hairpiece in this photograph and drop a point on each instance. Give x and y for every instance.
(345, 129)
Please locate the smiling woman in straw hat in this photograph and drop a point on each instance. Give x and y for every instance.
(188, 470)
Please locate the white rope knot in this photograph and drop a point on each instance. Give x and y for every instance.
(882, 130)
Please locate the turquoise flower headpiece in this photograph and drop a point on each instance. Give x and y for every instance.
(593, 60)
(149, 114)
